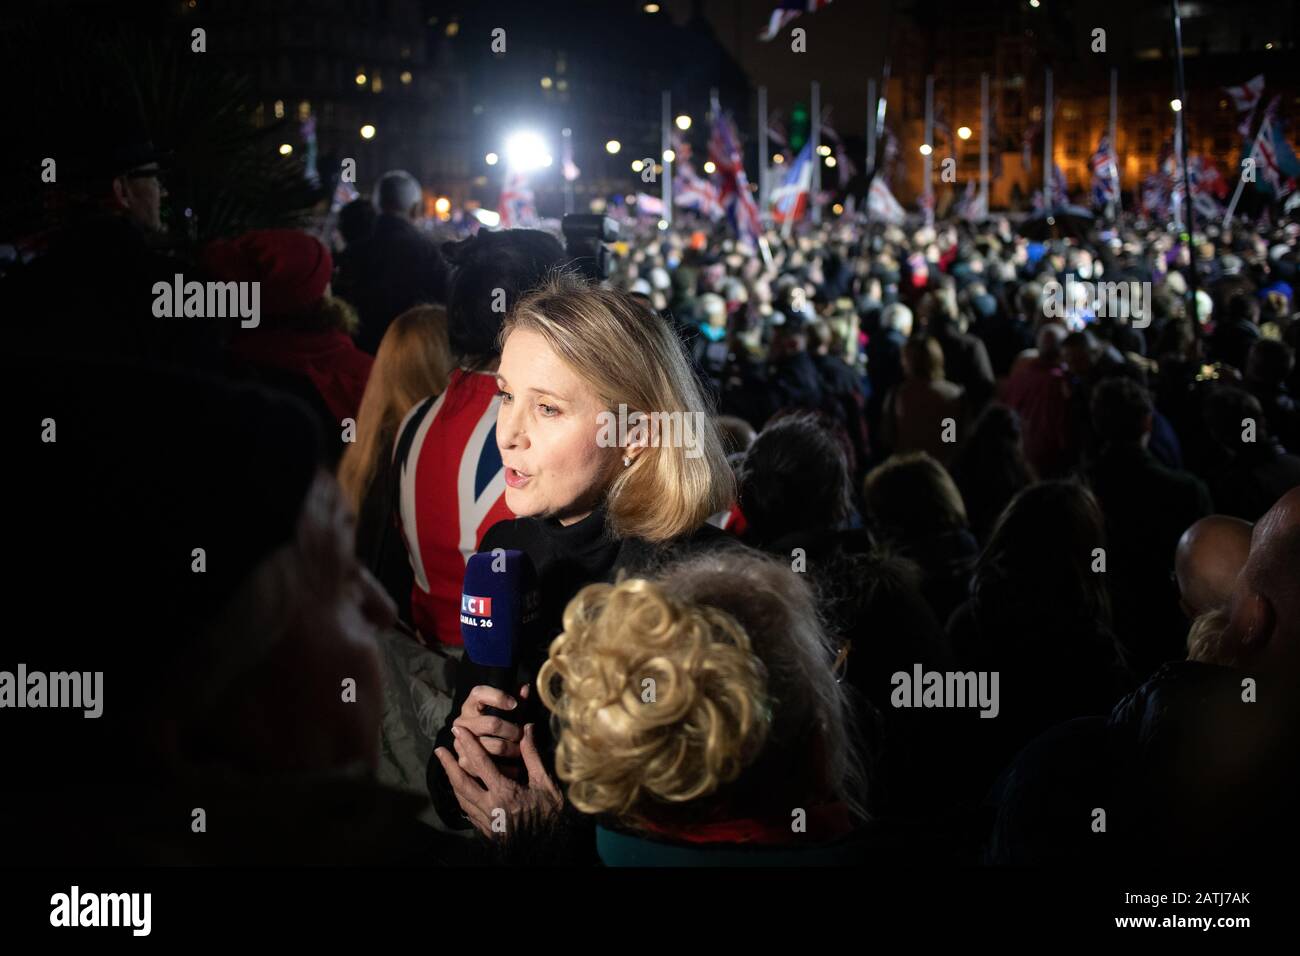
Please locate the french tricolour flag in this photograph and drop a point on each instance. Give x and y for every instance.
(790, 199)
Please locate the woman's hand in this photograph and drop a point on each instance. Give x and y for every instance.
(496, 735)
(497, 803)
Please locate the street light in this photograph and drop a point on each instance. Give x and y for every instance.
(710, 168)
(285, 149)
(637, 165)
(683, 122)
(926, 150)
(1176, 105)
(830, 161)
(442, 205)
(963, 132)
(491, 159)
(368, 131)
(525, 150)
(613, 146)
(778, 159)
(823, 150)
(669, 155)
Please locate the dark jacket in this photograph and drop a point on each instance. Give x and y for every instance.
(1253, 479)
(396, 268)
(966, 363)
(1184, 769)
(1147, 508)
(566, 559)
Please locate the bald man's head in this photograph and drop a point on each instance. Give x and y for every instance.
(1210, 555)
(1264, 614)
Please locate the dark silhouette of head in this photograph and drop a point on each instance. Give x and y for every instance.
(490, 271)
(794, 478)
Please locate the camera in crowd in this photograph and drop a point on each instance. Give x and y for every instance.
(586, 240)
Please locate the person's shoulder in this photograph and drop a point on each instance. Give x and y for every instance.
(641, 555)
(509, 533)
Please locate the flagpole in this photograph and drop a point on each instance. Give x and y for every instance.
(816, 125)
(666, 142)
(1192, 277)
(883, 105)
(1118, 205)
(984, 141)
(763, 185)
(871, 126)
(928, 190)
(1241, 177)
(567, 133)
(1048, 194)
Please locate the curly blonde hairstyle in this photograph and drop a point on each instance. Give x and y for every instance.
(744, 694)
(703, 720)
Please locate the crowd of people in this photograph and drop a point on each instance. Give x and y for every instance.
(913, 457)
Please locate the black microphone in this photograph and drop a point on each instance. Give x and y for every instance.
(499, 614)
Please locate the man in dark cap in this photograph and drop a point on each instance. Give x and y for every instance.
(88, 288)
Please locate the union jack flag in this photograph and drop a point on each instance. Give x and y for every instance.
(734, 194)
(452, 488)
(515, 206)
(1105, 172)
(1245, 96)
(786, 11)
(693, 191)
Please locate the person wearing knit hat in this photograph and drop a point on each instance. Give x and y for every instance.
(184, 548)
(302, 344)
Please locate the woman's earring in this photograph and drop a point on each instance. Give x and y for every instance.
(627, 460)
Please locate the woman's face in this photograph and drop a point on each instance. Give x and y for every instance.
(547, 429)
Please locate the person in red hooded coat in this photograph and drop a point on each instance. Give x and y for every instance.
(301, 342)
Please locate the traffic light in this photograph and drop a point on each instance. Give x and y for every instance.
(798, 127)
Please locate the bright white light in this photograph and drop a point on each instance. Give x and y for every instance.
(663, 224)
(367, 132)
(491, 159)
(830, 160)
(683, 122)
(637, 165)
(525, 151)
(823, 150)
(963, 132)
(669, 155)
(285, 149)
(710, 168)
(442, 205)
(1034, 4)
(613, 146)
(487, 217)
(1175, 105)
(925, 149)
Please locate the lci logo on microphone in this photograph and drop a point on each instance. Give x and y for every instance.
(475, 611)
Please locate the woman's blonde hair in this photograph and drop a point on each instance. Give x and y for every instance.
(742, 678)
(630, 356)
(412, 363)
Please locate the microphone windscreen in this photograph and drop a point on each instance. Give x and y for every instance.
(499, 606)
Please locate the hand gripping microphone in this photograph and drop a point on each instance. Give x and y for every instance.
(499, 614)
